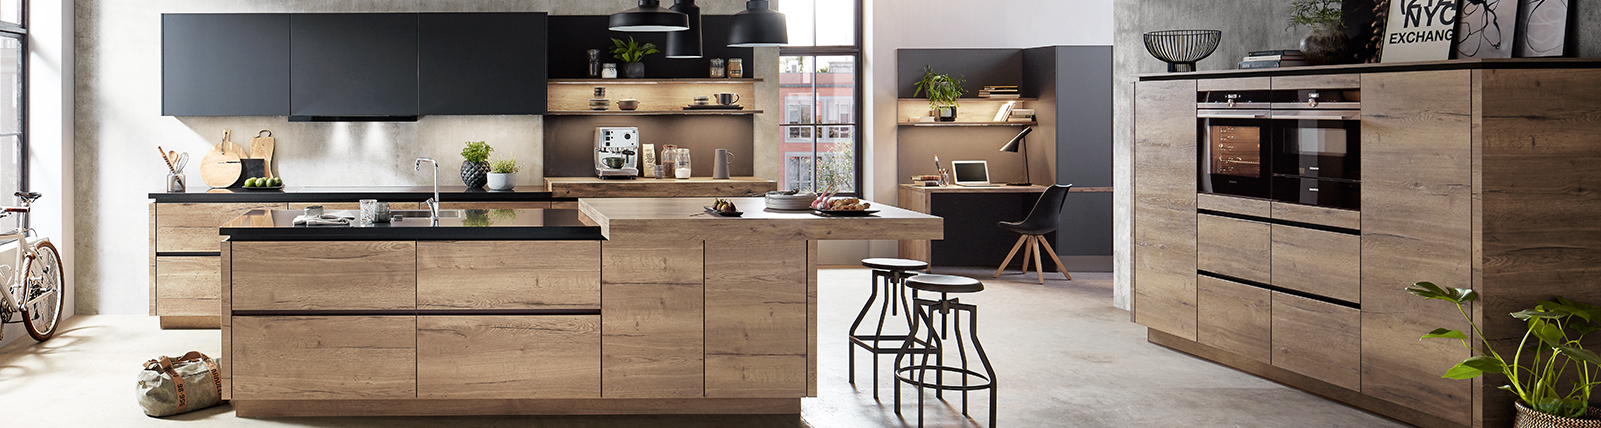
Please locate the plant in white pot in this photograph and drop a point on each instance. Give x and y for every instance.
(475, 165)
(503, 175)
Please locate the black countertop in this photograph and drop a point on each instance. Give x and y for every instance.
(1391, 67)
(474, 225)
(200, 194)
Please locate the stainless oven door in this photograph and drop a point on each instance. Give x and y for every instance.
(1323, 144)
(1234, 151)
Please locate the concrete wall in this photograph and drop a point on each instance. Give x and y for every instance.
(119, 123)
(1262, 28)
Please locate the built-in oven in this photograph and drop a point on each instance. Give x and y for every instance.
(1296, 146)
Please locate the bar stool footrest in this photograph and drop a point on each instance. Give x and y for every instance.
(919, 346)
(904, 374)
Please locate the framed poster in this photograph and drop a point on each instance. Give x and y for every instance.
(1487, 29)
(1419, 30)
(1544, 25)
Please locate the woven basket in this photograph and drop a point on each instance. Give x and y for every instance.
(1528, 418)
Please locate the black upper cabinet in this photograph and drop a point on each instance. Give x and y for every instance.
(353, 64)
(482, 63)
(224, 64)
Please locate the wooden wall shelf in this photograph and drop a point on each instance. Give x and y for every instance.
(653, 112)
(904, 123)
(604, 82)
(973, 100)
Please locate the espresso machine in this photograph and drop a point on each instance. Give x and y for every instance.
(616, 152)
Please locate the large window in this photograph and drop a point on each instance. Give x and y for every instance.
(13, 112)
(818, 75)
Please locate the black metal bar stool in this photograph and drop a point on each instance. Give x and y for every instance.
(887, 276)
(916, 374)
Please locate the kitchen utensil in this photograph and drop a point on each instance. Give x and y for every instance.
(701, 100)
(175, 182)
(681, 163)
(726, 98)
(220, 167)
(627, 104)
(182, 161)
(168, 159)
(613, 162)
(261, 148)
(720, 164)
(620, 143)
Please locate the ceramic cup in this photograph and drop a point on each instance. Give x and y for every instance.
(726, 98)
(628, 104)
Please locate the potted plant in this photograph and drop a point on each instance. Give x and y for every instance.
(1326, 43)
(631, 53)
(503, 175)
(1537, 367)
(943, 92)
(475, 165)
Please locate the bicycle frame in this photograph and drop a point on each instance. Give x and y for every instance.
(16, 283)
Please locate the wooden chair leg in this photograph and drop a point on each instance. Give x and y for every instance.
(1058, 260)
(1039, 265)
(1009, 255)
(1027, 250)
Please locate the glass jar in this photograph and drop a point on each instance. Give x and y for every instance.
(608, 71)
(681, 164)
(717, 68)
(594, 63)
(736, 68)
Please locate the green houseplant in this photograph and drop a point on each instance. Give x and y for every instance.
(503, 174)
(1554, 357)
(1326, 43)
(943, 92)
(632, 53)
(475, 165)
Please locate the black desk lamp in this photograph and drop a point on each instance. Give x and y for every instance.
(1013, 147)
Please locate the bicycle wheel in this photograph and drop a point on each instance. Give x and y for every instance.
(41, 297)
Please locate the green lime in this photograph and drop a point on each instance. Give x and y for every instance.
(277, 182)
(250, 182)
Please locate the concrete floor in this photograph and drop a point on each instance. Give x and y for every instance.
(1064, 357)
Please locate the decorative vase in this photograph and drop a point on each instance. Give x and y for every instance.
(1528, 418)
(945, 113)
(635, 70)
(502, 180)
(1324, 45)
(474, 174)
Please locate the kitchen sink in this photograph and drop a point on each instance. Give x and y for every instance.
(424, 213)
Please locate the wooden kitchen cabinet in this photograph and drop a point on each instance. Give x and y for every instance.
(183, 260)
(234, 64)
(756, 325)
(1234, 247)
(1235, 317)
(653, 332)
(508, 357)
(354, 275)
(192, 228)
(1318, 339)
(508, 275)
(1164, 206)
(353, 64)
(1319, 262)
(324, 357)
(188, 286)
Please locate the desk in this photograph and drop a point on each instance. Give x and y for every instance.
(707, 187)
(971, 237)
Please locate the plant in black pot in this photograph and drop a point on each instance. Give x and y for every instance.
(943, 92)
(1550, 371)
(632, 53)
(475, 167)
(1326, 43)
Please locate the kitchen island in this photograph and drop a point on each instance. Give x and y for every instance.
(629, 306)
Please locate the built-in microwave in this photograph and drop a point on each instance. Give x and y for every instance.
(1300, 147)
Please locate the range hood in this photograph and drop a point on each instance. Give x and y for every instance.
(352, 118)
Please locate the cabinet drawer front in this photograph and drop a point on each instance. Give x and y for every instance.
(1318, 262)
(756, 330)
(329, 358)
(1333, 217)
(1317, 339)
(507, 357)
(325, 275)
(1234, 247)
(188, 286)
(1234, 204)
(193, 227)
(1235, 317)
(508, 275)
(653, 319)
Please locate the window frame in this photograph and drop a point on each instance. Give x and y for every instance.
(854, 51)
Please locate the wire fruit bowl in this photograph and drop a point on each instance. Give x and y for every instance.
(1182, 48)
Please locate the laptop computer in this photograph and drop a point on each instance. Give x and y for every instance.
(971, 173)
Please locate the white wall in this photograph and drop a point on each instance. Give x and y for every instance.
(119, 124)
(900, 24)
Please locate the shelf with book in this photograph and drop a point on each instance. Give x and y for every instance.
(970, 111)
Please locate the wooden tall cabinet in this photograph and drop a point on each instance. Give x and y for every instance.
(1474, 173)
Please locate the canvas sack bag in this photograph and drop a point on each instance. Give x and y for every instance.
(169, 386)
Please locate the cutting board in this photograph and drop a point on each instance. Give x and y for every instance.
(220, 167)
(261, 148)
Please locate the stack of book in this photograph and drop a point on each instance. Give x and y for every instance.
(1273, 59)
(1021, 115)
(1002, 92)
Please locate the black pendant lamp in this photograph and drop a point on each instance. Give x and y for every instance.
(685, 44)
(649, 16)
(758, 26)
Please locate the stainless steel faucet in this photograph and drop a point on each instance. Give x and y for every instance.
(433, 203)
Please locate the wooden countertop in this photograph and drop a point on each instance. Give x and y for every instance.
(686, 219)
(998, 189)
(594, 187)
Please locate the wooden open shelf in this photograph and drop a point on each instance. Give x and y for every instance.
(652, 112)
(604, 82)
(974, 100)
(905, 123)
